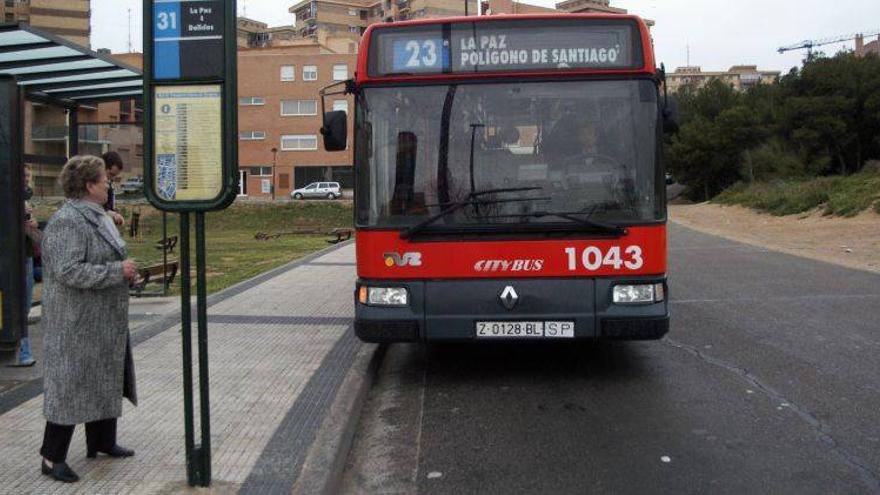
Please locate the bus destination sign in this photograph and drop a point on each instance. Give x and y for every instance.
(506, 46)
(188, 39)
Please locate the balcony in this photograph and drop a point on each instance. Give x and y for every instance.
(49, 133)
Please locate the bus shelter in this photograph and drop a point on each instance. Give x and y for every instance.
(42, 68)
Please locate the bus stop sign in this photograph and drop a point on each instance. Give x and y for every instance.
(190, 106)
(188, 39)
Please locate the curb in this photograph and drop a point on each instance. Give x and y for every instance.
(325, 461)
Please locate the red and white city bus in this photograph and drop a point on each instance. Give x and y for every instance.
(508, 182)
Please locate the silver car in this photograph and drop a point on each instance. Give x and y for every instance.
(329, 190)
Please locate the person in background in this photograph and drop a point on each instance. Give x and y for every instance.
(114, 165)
(88, 361)
(32, 245)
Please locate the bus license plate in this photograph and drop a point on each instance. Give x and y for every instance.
(525, 329)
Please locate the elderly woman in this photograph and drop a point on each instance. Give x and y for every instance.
(88, 363)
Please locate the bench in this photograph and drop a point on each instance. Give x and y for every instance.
(263, 236)
(167, 244)
(153, 273)
(341, 235)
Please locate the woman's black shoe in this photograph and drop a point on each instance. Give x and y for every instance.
(115, 451)
(60, 471)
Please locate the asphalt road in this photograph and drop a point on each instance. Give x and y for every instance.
(769, 382)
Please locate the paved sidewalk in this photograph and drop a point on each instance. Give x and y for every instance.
(281, 356)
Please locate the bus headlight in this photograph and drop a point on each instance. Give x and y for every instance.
(638, 294)
(383, 296)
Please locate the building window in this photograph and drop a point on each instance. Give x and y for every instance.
(340, 72)
(261, 171)
(249, 101)
(299, 142)
(299, 107)
(288, 73)
(310, 73)
(340, 105)
(266, 186)
(252, 135)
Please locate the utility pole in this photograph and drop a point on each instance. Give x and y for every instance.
(129, 30)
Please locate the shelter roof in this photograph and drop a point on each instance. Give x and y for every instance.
(50, 67)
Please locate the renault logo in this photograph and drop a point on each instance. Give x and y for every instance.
(509, 297)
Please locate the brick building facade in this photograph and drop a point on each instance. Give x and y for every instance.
(280, 109)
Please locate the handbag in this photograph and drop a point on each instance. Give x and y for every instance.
(33, 237)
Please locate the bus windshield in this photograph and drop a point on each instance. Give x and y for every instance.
(555, 151)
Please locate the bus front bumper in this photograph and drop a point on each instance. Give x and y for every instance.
(454, 310)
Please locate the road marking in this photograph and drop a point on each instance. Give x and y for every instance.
(819, 428)
(778, 298)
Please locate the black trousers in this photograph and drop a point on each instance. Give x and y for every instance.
(100, 435)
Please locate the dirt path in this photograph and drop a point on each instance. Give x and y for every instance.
(852, 242)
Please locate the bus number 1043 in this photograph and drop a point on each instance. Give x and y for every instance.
(592, 258)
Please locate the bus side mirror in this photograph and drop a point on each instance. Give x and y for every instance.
(671, 117)
(335, 130)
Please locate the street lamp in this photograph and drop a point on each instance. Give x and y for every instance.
(274, 156)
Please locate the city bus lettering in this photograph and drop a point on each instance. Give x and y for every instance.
(509, 265)
(488, 57)
(583, 55)
(486, 42)
(592, 258)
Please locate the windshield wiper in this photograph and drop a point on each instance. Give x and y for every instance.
(472, 199)
(570, 215)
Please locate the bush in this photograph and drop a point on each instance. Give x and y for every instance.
(771, 161)
(840, 196)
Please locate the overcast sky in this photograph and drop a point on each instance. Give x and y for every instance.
(720, 33)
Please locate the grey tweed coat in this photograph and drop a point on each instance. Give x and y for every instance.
(88, 364)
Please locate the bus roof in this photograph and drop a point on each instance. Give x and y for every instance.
(644, 64)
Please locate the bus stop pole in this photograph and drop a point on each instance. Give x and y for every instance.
(202, 313)
(72, 131)
(186, 335)
(164, 253)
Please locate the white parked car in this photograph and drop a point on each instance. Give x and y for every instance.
(328, 190)
(132, 186)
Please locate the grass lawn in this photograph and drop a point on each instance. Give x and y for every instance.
(233, 254)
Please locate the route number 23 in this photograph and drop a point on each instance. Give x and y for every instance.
(424, 55)
(592, 258)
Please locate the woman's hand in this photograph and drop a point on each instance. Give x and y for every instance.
(129, 270)
(116, 217)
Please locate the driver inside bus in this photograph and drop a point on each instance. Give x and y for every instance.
(573, 146)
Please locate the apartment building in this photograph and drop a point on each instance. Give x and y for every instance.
(348, 19)
(740, 77)
(69, 19)
(279, 117)
(863, 49)
(256, 34)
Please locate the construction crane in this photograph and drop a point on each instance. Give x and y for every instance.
(809, 44)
